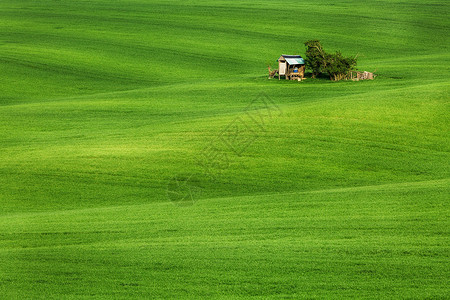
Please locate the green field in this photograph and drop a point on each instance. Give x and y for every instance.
(110, 111)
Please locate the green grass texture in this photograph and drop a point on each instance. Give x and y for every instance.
(144, 153)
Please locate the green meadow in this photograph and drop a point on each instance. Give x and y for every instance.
(144, 153)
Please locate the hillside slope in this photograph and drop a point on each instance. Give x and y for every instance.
(130, 165)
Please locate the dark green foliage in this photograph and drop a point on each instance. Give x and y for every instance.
(338, 66)
(315, 56)
(335, 64)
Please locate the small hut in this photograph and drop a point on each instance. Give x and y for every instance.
(292, 67)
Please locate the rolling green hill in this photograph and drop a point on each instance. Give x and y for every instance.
(144, 153)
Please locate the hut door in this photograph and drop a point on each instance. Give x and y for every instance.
(282, 68)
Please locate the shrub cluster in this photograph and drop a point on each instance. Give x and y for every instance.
(335, 64)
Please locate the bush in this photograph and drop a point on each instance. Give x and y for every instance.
(336, 65)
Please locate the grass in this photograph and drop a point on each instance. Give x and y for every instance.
(343, 193)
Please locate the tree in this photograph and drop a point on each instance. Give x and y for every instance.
(336, 65)
(314, 57)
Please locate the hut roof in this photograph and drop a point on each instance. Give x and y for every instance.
(293, 59)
